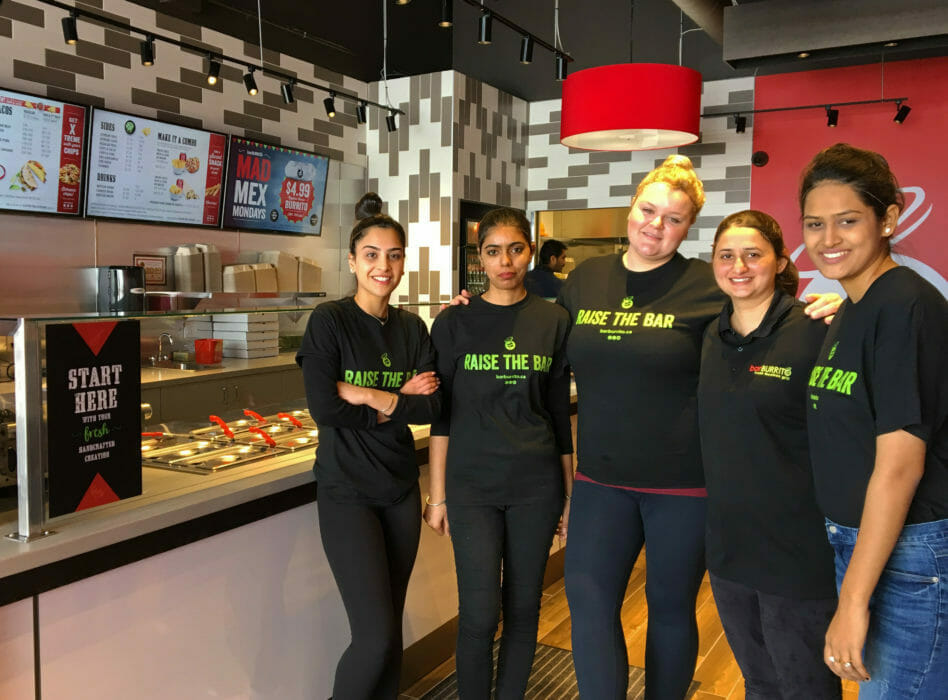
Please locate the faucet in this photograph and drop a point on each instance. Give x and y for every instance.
(163, 357)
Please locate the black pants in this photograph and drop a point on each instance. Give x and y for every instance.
(486, 538)
(607, 528)
(371, 551)
(777, 641)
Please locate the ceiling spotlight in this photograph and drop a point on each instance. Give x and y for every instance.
(740, 123)
(286, 89)
(890, 44)
(447, 13)
(250, 82)
(483, 32)
(901, 113)
(70, 35)
(402, 2)
(803, 54)
(390, 121)
(330, 104)
(213, 70)
(360, 113)
(526, 49)
(832, 116)
(560, 66)
(148, 51)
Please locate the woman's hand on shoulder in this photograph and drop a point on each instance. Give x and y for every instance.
(464, 298)
(436, 517)
(822, 306)
(422, 384)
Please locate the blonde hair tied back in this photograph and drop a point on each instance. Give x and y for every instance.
(677, 172)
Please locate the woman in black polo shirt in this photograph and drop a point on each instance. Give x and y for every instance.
(770, 565)
(368, 373)
(878, 423)
(501, 456)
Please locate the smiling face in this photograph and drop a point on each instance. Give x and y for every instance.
(746, 265)
(844, 237)
(378, 262)
(505, 254)
(658, 223)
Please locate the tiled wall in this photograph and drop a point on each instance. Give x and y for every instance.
(461, 139)
(565, 178)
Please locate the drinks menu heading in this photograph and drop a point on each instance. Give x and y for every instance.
(41, 144)
(153, 171)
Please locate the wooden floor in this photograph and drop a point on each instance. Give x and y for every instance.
(716, 669)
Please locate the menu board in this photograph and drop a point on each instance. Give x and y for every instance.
(153, 171)
(41, 144)
(271, 188)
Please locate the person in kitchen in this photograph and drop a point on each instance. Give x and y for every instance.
(501, 456)
(877, 404)
(770, 565)
(368, 371)
(542, 280)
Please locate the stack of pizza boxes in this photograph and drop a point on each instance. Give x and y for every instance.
(248, 335)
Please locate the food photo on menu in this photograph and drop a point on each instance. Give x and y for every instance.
(154, 171)
(41, 149)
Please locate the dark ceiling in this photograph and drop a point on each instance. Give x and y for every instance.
(346, 36)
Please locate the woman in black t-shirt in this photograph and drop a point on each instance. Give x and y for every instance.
(501, 456)
(878, 425)
(771, 568)
(368, 371)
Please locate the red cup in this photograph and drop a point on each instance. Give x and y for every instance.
(208, 351)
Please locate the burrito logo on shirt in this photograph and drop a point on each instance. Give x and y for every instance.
(832, 351)
(628, 302)
(771, 371)
(509, 343)
(385, 360)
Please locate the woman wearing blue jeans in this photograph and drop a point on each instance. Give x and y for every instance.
(878, 424)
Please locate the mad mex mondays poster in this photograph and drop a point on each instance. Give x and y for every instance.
(93, 392)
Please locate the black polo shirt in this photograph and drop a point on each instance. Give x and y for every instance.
(764, 528)
(881, 368)
(543, 282)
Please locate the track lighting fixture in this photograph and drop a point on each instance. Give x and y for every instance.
(901, 112)
(250, 83)
(286, 89)
(330, 104)
(484, 27)
(740, 124)
(832, 117)
(213, 70)
(70, 35)
(390, 122)
(447, 13)
(526, 49)
(148, 51)
(360, 113)
(560, 66)
(402, 2)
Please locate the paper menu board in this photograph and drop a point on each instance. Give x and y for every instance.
(274, 188)
(41, 146)
(153, 171)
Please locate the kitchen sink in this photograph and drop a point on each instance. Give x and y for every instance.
(172, 364)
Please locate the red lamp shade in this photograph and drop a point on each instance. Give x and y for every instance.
(631, 107)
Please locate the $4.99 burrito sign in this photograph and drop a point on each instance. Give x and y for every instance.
(271, 188)
(93, 393)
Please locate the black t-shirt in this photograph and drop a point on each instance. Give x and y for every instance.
(506, 400)
(764, 528)
(542, 282)
(881, 368)
(635, 349)
(360, 460)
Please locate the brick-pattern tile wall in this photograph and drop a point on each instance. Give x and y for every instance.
(565, 178)
(104, 69)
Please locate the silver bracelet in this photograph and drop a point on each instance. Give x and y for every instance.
(429, 503)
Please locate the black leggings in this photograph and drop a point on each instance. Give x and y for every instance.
(371, 551)
(607, 528)
(486, 538)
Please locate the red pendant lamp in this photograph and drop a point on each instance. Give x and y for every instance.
(631, 107)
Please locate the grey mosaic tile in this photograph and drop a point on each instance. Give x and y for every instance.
(737, 196)
(198, 79)
(72, 96)
(125, 41)
(703, 149)
(190, 122)
(73, 64)
(6, 27)
(403, 130)
(537, 195)
(182, 90)
(413, 187)
(434, 197)
(275, 100)
(326, 75)
(242, 120)
(178, 26)
(424, 166)
(736, 96)
(424, 269)
(569, 204)
(622, 190)
(593, 169)
(727, 184)
(737, 171)
(424, 86)
(610, 156)
(18, 12)
(166, 103)
(446, 221)
(328, 127)
(540, 162)
(252, 50)
(116, 57)
(255, 109)
(110, 15)
(24, 70)
(559, 182)
(550, 128)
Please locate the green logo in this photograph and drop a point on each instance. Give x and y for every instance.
(509, 343)
(385, 361)
(832, 350)
(628, 302)
(129, 127)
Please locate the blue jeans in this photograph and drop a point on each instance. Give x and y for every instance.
(906, 650)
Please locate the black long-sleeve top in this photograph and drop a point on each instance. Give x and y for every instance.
(360, 460)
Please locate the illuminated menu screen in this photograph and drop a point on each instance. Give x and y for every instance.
(273, 188)
(41, 143)
(153, 171)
